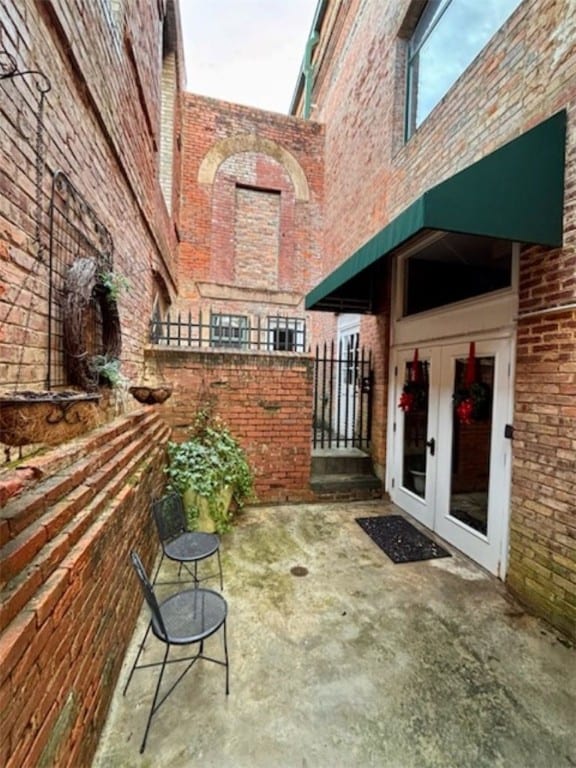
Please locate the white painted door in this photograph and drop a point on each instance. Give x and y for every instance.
(454, 477)
(344, 418)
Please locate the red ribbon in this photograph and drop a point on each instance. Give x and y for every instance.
(470, 375)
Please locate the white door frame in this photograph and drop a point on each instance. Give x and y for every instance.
(432, 509)
(489, 318)
(348, 325)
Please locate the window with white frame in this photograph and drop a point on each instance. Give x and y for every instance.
(286, 334)
(446, 39)
(228, 330)
(449, 268)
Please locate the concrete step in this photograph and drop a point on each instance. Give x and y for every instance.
(346, 484)
(345, 461)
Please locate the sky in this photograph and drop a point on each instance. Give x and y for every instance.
(246, 51)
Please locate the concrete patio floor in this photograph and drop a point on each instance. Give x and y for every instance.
(360, 663)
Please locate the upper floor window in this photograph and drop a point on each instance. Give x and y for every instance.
(446, 39)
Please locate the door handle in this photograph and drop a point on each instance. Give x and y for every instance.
(432, 445)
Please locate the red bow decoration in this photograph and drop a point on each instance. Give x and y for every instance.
(406, 401)
(464, 411)
(471, 396)
(414, 388)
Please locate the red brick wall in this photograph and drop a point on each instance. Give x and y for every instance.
(228, 268)
(525, 74)
(256, 238)
(265, 399)
(69, 595)
(543, 529)
(375, 335)
(102, 125)
(70, 618)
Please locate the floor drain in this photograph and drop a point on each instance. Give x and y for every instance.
(299, 570)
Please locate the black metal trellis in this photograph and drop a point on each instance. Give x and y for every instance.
(76, 233)
(22, 110)
(9, 70)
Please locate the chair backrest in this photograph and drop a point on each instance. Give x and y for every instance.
(169, 516)
(148, 591)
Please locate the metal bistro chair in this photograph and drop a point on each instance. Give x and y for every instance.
(184, 618)
(181, 545)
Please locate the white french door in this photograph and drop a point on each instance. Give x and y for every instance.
(454, 476)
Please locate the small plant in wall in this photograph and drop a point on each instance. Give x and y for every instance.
(211, 472)
(113, 284)
(106, 371)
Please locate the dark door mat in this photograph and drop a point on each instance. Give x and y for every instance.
(402, 542)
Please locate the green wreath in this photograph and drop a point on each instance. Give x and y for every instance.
(85, 287)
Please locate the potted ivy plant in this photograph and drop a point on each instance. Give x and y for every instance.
(211, 472)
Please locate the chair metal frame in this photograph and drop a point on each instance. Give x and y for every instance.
(181, 545)
(199, 613)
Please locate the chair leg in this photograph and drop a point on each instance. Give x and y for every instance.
(227, 664)
(220, 570)
(140, 649)
(182, 565)
(158, 569)
(156, 692)
(157, 701)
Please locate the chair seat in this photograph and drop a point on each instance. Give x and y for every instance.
(192, 546)
(187, 548)
(191, 616)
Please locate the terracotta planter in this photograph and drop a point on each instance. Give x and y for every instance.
(151, 395)
(46, 417)
(193, 500)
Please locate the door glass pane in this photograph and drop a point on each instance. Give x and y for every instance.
(414, 403)
(470, 476)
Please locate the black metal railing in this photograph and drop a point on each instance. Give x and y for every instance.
(273, 333)
(343, 382)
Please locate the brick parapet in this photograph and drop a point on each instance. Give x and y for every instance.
(265, 399)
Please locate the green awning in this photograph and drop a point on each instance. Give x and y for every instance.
(515, 193)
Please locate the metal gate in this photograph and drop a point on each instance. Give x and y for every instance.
(343, 379)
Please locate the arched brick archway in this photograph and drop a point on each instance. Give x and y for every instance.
(250, 143)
